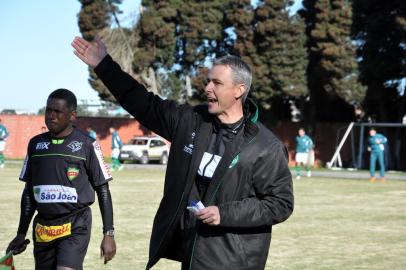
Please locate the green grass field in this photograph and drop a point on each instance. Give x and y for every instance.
(337, 224)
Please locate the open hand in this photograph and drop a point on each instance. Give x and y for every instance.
(91, 54)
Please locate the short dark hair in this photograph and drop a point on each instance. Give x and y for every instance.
(66, 95)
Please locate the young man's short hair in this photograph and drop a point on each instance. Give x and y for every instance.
(66, 95)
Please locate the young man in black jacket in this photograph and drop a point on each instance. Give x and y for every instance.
(220, 155)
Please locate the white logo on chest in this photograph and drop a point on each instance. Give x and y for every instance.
(75, 146)
(208, 165)
(42, 146)
(188, 149)
(55, 194)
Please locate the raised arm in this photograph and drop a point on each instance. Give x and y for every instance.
(158, 115)
(91, 54)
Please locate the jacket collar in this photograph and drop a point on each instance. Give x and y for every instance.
(250, 115)
(251, 111)
(240, 141)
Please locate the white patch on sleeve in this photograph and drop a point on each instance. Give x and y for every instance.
(211, 167)
(103, 165)
(55, 194)
(24, 168)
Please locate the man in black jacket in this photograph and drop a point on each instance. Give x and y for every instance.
(220, 155)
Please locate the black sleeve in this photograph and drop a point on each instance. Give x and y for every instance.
(25, 174)
(28, 207)
(106, 206)
(160, 116)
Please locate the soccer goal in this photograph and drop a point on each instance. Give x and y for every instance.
(354, 139)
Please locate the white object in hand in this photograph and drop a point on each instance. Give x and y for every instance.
(195, 206)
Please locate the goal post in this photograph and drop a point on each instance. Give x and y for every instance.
(336, 156)
(393, 131)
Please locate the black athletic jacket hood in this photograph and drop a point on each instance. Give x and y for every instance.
(252, 185)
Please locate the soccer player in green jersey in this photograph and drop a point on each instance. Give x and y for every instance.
(377, 148)
(304, 148)
(3, 136)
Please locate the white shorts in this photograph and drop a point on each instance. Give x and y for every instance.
(302, 158)
(2, 145)
(305, 158)
(115, 153)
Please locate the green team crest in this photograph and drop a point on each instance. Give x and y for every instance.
(72, 173)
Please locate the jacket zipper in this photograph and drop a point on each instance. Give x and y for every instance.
(170, 225)
(214, 193)
(193, 251)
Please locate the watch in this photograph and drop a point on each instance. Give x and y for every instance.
(109, 233)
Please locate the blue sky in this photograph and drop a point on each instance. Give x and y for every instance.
(36, 56)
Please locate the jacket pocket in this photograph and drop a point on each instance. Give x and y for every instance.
(240, 247)
(219, 251)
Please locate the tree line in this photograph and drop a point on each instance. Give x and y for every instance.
(331, 60)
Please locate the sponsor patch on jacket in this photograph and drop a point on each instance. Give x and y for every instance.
(55, 194)
(42, 145)
(188, 148)
(72, 173)
(75, 146)
(50, 233)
